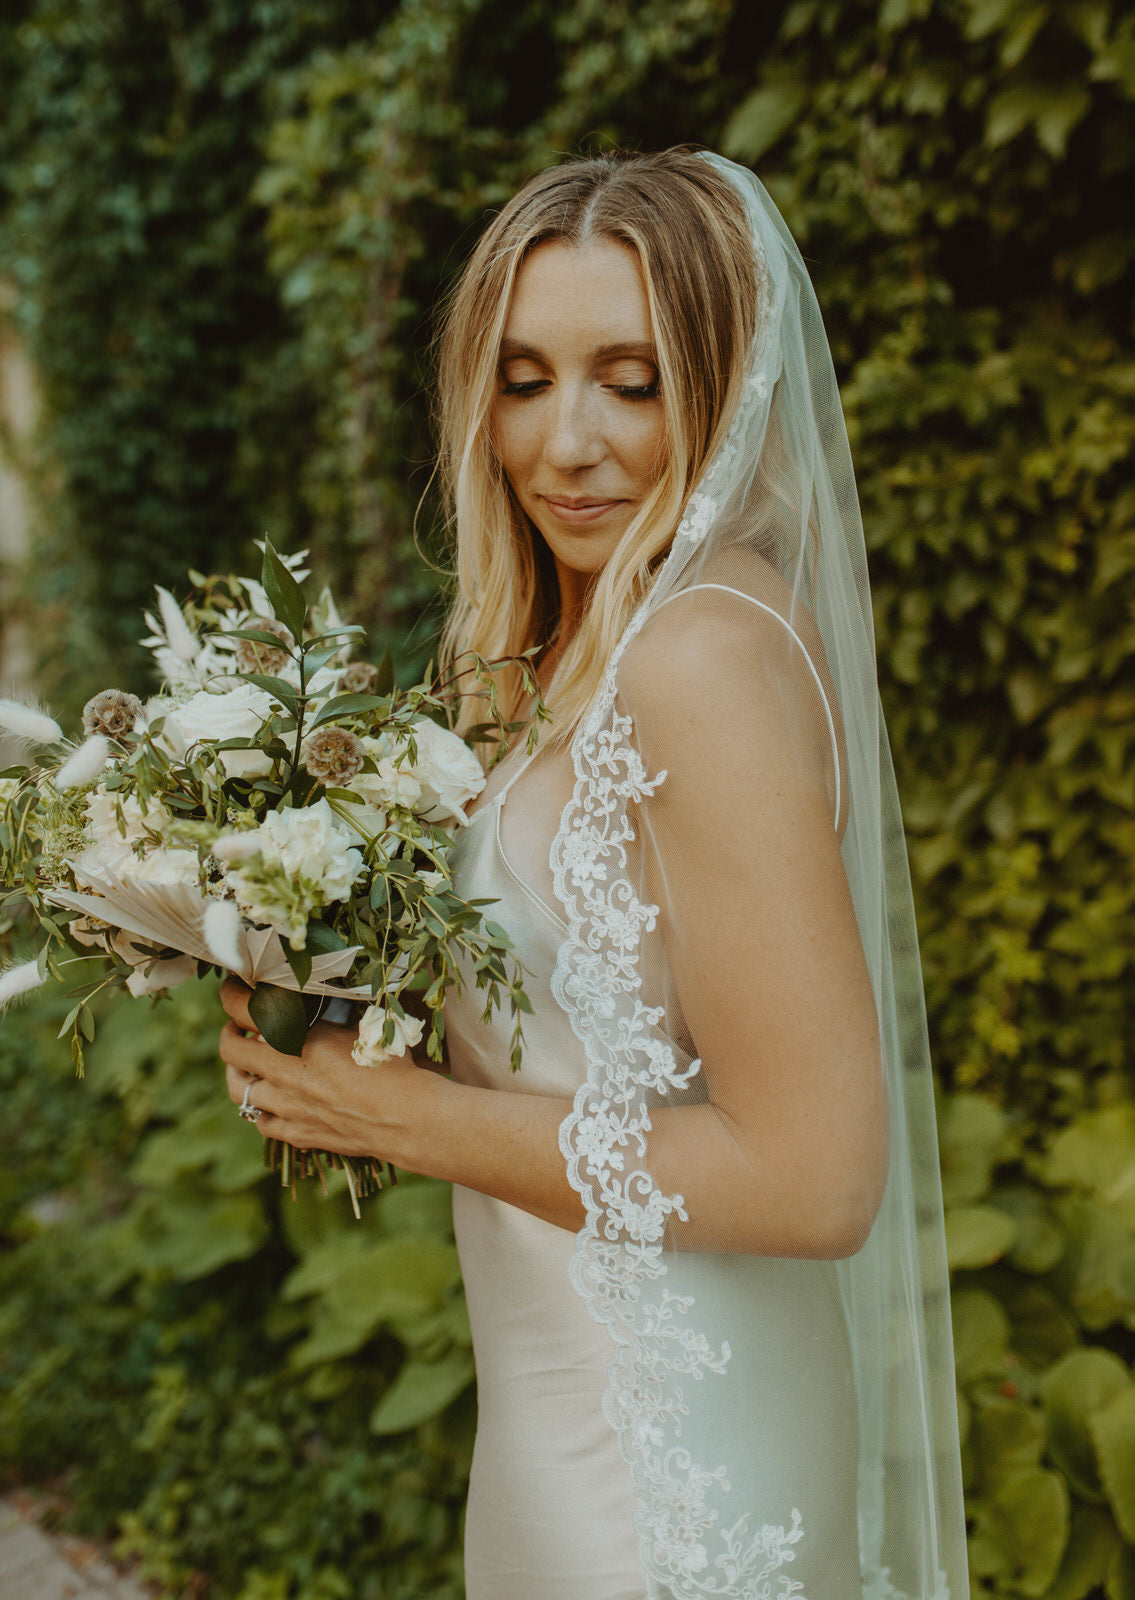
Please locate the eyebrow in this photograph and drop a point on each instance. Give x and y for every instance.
(605, 352)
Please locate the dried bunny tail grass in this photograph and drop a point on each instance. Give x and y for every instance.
(29, 723)
(181, 638)
(222, 931)
(85, 764)
(20, 980)
(231, 848)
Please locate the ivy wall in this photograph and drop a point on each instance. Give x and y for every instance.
(226, 226)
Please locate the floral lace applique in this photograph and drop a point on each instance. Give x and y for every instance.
(619, 1254)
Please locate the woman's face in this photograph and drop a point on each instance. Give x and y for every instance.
(578, 421)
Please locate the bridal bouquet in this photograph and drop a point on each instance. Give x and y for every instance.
(278, 811)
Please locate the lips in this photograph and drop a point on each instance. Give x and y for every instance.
(575, 510)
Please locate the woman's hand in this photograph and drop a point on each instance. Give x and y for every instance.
(323, 1100)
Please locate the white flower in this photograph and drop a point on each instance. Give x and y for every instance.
(368, 1049)
(437, 786)
(113, 852)
(164, 866)
(236, 713)
(311, 842)
(448, 771)
(304, 861)
(162, 975)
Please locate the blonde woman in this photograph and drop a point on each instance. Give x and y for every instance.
(701, 1228)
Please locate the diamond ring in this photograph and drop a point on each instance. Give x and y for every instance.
(246, 1109)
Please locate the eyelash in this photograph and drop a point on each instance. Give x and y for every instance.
(625, 391)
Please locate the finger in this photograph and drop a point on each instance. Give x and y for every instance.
(236, 1082)
(253, 1054)
(235, 996)
(260, 1095)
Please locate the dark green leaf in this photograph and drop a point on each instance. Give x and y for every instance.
(280, 1017)
(284, 592)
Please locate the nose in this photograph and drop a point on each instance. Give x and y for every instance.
(574, 437)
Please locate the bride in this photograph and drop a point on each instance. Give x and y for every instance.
(701, 1229)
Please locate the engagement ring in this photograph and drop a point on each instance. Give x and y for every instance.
(247, 1110)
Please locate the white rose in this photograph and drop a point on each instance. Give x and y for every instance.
(163, 866)
(368, 1049)
(112, 852)
(448, 771)
(234, 714)
(446, 775)
(389, 786)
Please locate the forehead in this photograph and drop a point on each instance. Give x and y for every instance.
(579, 295)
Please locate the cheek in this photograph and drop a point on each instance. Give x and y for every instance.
(644, 448)
(512, 435)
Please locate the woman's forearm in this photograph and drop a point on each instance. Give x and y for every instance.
(498, 1141)
(780, 1202)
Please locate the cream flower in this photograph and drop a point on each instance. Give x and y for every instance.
(304, 861)
(368, 1049)
(448, 771)
(236, 713)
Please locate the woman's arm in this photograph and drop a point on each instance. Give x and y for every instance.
(789, 1155)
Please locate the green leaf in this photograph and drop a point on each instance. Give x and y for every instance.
(976, 1236)
(277, 688)
(1008, 1437)
(347, 705)
(1083, 1382)
(1096, 1273)
(1121, 1574)
(421, 1390)
(257, 635)
(280, 1017)
(284, 593)
(1039, 1244)
(1092, 1540)
(384, 683)
(1112, 1428)
(981, 1334)
(972, 1135)
(300, 963)
(1032, 1513)
(1097, 1153)
(314, 659)
(761, 119)
(322, 940)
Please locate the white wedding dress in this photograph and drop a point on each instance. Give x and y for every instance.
(550, 1512)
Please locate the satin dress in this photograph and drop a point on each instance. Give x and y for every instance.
(550, 1513)
(550, 1509)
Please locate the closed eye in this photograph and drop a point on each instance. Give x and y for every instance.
(528, 387)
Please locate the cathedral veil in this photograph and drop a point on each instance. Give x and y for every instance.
(734, 1373)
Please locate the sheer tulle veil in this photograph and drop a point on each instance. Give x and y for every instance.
(771, 532)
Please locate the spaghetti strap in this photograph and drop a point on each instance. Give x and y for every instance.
(726, 588)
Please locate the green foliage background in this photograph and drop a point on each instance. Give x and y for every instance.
(226, 226)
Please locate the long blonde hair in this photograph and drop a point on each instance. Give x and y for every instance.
(687, 226)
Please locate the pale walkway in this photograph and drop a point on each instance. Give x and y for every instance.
(39, 1566)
